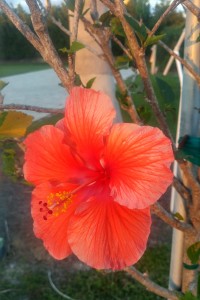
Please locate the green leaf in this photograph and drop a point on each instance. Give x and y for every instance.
(191, 267)
(85, 12)
(116, 27)
(121, 97)
(106, 18)
(198, 39)
(178, 216)
(90, 83)
(153, 39)
(139, 29)
(75, 46)
(70, 4)
(164, 89)
(63, 50)
(14, 125)
(77, 80)
(3, 84)
(188, 296)
(144, 113)
(2, 117)
(198, 286)
(189, 149)
(193, 252)
(122, 62)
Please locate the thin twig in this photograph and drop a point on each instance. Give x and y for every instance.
(21, 26)
(49, 52)
(138, 54)
(31, 108)
(71, 56)
(119, 43)
(182, 190)
(67, 32)
(182, 61)
(56, 289)
(170, 220)
(41, 40)
(152, 286)
(193, 8)
(191, 182)
(170, 8)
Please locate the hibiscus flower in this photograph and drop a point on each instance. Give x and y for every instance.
(95, 182)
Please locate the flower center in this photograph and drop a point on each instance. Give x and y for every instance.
(57, 203)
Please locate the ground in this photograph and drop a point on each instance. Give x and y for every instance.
(26, 255)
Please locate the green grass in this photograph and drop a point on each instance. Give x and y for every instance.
(15, 68)
(84, 285)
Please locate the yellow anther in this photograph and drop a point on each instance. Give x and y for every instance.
(59, 202)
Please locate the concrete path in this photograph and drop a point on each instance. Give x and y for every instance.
(38, 88)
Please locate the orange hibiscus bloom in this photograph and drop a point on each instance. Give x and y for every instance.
(95, 182)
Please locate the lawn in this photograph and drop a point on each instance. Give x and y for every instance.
(22, 282)
(14, 68)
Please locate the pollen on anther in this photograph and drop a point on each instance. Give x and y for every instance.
(58, 203)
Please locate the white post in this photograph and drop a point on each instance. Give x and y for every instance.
(153, 59)
(88, 65)
(189, 123)
(176, 50)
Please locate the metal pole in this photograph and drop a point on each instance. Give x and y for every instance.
(189, 123)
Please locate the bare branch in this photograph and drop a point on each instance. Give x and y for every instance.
(168, 218)
(119, 43)
(182, 190)
(67, 32)
(193, 8)
(48, 52)
(21, 26)
(31, 108)
(152, 286)
(170, 8)
(71, 57)
(41, 41)
(138, 54)
(191, 182)
(182, 61)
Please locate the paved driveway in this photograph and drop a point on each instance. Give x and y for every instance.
(37, 88)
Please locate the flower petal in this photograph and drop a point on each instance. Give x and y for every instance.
(48, 158)
(138, 160)
(88, 116)
(106, 235)
(52, 231)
